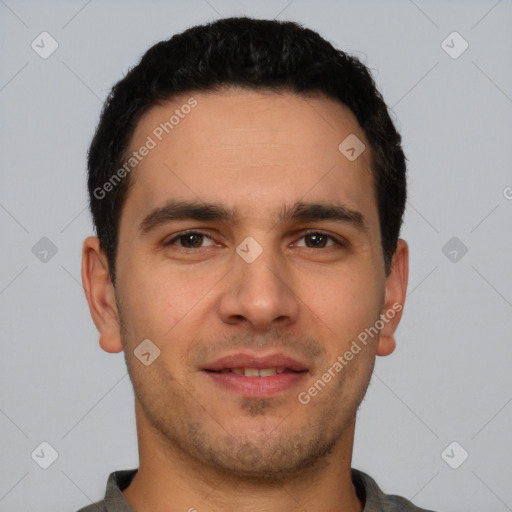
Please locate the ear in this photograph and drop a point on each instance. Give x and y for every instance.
(100, 294)
(396, 288)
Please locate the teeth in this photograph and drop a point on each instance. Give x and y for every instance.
(255, 372)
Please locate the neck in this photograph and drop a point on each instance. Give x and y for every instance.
(169, 480)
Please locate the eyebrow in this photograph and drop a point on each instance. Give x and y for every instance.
(299, 212)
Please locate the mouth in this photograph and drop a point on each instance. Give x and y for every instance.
(253, 376)
(255, 372)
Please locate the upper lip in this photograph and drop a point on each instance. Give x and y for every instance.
(247, 360)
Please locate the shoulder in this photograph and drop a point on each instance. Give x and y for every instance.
(114, 500)
(100, 506)
(374, 498)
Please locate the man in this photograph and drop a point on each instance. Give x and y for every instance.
(247, 187)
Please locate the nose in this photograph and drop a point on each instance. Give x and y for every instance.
(259, 293)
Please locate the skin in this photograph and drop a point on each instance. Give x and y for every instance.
(201, 445)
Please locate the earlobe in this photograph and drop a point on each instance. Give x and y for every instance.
(100, 295)
(396, 288)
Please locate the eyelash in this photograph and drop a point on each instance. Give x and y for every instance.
(192, 232)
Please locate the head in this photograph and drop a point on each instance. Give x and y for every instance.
(233, 131)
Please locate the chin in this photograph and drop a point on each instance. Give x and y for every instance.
(259, 459)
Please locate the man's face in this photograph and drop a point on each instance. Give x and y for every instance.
(211, 302)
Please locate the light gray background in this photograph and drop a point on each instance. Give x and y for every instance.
(449, 379)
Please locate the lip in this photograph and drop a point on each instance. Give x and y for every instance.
(257, 387)
(248, 360)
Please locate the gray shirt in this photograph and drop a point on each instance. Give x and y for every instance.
(367, 490)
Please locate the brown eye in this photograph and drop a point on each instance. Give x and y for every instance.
(316, 240)
(319, 240)
(189, 240)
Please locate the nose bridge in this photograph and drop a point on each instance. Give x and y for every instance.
(262, 277)
(258, 288)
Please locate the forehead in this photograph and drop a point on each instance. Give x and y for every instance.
(253, 151)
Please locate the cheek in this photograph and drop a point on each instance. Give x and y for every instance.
(347, 301)
(159, 300)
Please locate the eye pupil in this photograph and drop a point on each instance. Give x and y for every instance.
(193, 238)
(316, 238)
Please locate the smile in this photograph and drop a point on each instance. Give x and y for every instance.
(255, 372)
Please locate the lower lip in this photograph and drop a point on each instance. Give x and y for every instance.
(257, 386)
